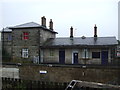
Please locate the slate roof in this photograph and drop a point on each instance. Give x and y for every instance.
(6, 29)
(87, 41)
(26, 25)
(31, 25)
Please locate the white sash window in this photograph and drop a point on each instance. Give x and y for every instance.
(25, 53)
(85, 53)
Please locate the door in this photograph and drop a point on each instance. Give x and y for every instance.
(104, 57)
(62, 56)
(75, 58)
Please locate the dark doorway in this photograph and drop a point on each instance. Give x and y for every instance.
(75, 58)
(104, 57)
(62, 56)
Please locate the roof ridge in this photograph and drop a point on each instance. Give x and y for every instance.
(86, 37)
(66, 41)
(26, 23)
(30, 25)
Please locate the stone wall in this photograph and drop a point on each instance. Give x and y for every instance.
(47, 58)
(18, 37)
(68, 73)
(17, 53)
(45, 35)
(37, 36)
(18, 43)
(6, 44)
(69, 55)
(10, 72)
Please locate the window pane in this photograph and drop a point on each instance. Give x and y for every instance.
(95, 54)
(25, 50)
(25, 53)
(85, 53)
(51, 52)
(25, 33)
(25, 37)
(9, 37)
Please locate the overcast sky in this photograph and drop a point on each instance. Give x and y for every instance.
(81, 14)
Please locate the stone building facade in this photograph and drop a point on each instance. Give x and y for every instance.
(7, 42)
(36, 37)
(37, 43)
(78, 54)
(26, 40)
(80, 50)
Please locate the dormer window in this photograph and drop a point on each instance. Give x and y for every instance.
(25, 35)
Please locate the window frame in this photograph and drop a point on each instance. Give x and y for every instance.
(96, 56)
(25, 35)
(51, 53)
(9, 37)
(85, 53)
(118, 53)
(25, 53)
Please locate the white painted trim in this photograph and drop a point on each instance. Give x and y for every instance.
(41, 59)
(72, 55)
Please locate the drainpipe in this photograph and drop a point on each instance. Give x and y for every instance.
(3, 40)
(39, 46)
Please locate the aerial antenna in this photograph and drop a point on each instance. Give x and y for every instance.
(75, 31)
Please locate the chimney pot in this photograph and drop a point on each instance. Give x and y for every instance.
(51, 24)
(71, 32)
(95, 31)
(43, 21)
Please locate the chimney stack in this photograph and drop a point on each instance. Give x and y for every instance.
(43, 21)
(51, 24)
(95, 31)
(71, 32)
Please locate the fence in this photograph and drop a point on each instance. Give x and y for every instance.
(18, 84)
